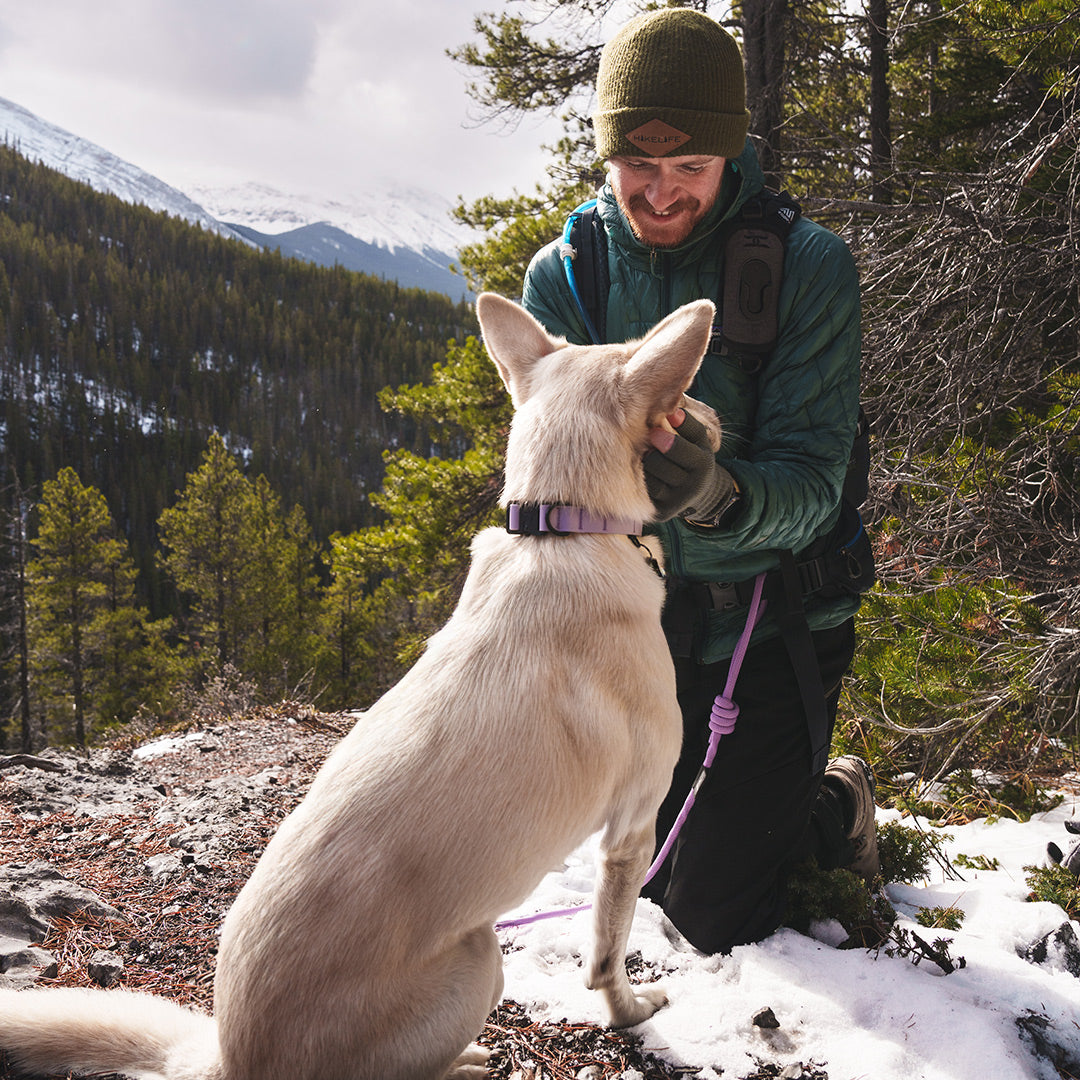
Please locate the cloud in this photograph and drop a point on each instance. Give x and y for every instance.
(235, 50)
(204, 48)
(317, 95)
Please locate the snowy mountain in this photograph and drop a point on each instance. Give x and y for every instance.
(40, 141)
(401, 234)
(390, 218)
(328, 245)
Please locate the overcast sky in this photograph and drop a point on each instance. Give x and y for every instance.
(319, 96)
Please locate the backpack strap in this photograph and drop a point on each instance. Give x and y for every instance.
(753, 271)
(794, 628)
(585, 244)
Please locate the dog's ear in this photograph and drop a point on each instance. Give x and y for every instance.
(514, 340)
(666, 360)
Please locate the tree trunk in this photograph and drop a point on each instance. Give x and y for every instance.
(77, 689)
(877, 17)
(933, 102)
(23, 645)
(764, 44)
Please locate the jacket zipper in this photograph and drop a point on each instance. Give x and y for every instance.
(664, 274)
(661, 268)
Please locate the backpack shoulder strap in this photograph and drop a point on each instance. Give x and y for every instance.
(753, 270)
(584, 256)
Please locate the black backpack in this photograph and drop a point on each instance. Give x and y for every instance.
(842, 562)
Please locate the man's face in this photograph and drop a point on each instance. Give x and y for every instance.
(664, 198)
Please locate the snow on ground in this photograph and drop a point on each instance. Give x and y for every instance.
(856, 1014)
(167, 744)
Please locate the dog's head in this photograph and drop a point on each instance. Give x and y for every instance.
(583, 413)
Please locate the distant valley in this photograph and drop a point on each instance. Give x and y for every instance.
(129, 335)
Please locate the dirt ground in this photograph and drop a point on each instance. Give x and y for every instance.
(227, 785)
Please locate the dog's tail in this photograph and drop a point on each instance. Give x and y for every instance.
(116, 1031)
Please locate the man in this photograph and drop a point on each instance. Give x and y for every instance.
(671, 126)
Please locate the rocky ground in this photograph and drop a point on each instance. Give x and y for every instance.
(117, 868)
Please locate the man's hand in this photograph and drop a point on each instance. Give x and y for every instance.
(681, 473)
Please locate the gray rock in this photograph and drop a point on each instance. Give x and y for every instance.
(1058, 950)
(158, 866)
(18, 921)
(22, 961)
(105, 967)
(33, 894)
(1047, 1042)
(94, 784)
(765, 1018)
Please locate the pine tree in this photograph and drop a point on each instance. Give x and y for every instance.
(78, 557)
(14, 628)
(347, 630)
(248, 569)
(414, 565)
(207, 558)
(300, 642)
(278, 647)
(140, 666)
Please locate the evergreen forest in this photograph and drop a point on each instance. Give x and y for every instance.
(132, 346)
(128, 337)
(184, 391)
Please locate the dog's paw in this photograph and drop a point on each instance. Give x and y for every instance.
(471, 1063)
(467, 1072)
(636, 1006)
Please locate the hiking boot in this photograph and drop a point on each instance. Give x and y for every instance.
(1071, 862)
(852, 776)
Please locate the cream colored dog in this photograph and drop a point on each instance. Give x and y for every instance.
(544, 711)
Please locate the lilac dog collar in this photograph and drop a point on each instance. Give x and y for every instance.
(532, 519)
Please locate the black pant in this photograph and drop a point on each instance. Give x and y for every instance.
(761, 809)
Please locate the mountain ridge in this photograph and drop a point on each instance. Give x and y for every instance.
(398, 233)
(79, 159)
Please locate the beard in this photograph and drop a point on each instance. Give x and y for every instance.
(638, 211)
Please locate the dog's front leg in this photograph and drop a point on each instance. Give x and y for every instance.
(622, 871)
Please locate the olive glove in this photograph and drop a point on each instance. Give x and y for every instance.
(685, 480)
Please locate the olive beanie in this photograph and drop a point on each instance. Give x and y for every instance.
(671, 82)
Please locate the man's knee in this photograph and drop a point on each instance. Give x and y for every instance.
(718, 923)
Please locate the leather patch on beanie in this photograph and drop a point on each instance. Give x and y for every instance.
(657, 138)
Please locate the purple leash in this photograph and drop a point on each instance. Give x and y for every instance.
(721, 722)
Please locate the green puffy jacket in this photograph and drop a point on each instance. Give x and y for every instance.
(788, 430)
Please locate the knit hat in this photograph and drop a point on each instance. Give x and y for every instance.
(671, 81)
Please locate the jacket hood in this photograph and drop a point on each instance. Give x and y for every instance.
(742, 178)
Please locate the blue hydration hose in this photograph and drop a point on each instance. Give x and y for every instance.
(568, 253)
